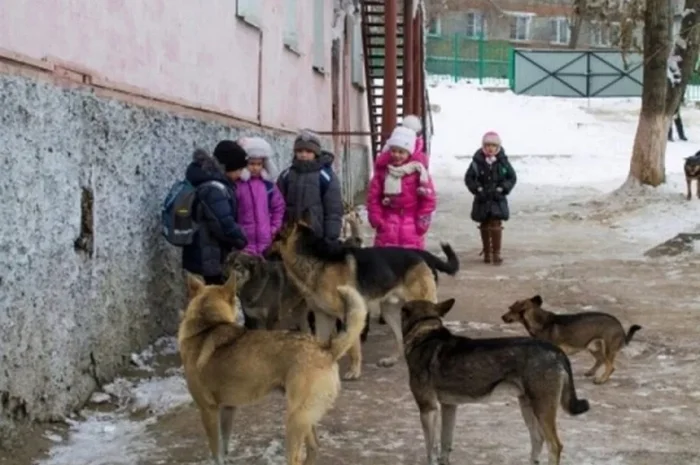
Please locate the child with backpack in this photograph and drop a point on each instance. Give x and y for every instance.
(310, 185)
(401, 197)
(260, 203)
(200, 212)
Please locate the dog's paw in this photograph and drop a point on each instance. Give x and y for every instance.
(351, 374)
(589, 373)
(388, 361)
(599, 381)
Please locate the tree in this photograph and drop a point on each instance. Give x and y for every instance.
(662, 94)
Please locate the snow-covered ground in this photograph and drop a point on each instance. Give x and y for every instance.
(565, 152)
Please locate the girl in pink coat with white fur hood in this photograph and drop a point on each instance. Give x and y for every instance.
(401, 198)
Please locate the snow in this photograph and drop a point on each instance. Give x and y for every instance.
(565, 151)
(564, 146)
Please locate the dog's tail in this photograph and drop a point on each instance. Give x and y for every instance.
(569, 401)
(630, 333)
(355, 315)
(451, 266)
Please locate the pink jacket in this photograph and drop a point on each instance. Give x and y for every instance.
(260, 212)
(400, 220)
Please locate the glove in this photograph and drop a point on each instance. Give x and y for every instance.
(422, 225)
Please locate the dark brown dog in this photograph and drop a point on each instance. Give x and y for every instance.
(692, 173)
(600, 333)
(447, 370)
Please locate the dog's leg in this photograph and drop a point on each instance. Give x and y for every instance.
(391, 309)
(355, 354)
(533, 427)
(311, 447)
(609, 357)
(689, 183)
(428, 421)
(546, 413)
(295, 437)
(226, 425)
(210, 420)
(449, 413)
(595, 350)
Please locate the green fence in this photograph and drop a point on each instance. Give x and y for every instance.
(462, 57)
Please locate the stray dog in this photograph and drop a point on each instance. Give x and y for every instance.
(692, 173)
(264, 289)
(350, 232)
(450, 370)
(227, 366)
(387, 275)
(600, 333)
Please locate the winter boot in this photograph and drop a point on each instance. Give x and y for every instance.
(485, 229)
(496, 236)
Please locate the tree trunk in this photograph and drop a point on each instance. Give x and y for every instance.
(690, 37)
(648, 154)
(576, 23)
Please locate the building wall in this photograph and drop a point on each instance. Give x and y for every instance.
(196, 51)
(85, 277)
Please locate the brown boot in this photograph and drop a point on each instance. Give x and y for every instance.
(485, 229)
(496, 236)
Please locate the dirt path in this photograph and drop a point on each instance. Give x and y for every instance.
(646, 415)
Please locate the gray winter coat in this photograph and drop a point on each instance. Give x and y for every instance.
(313, 186)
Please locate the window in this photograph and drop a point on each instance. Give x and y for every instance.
(605, 35)
(250, 11)
(520, 27)
(358, 69)
(319, 54)
(434, 26)
(290, 38)
(560, 31)
(475, 25)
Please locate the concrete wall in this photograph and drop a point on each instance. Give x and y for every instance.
(70, 318)
(196, 51)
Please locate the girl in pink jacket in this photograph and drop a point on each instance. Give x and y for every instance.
(401, 198)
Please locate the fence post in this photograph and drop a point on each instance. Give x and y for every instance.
(455, 56)
(480, 63)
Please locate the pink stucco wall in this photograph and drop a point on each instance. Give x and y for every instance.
(196, 51)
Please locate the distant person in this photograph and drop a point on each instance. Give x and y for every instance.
(260, 203)
(401, 199)
(310, 185)
(490, 178)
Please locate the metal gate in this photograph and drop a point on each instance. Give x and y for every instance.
(577, 73)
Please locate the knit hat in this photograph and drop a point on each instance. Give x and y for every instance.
(231, 155)
(412, 122)
(307, 140)
(257, 147)
(491, 137)
(403, 138)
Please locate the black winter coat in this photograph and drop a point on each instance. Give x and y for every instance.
(215, 211)
(489, 203)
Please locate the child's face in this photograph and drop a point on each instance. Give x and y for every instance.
(234, 175)
(304, 155)
(491, 149)
(399, 155)
(255, 167)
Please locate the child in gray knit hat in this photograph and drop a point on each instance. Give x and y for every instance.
(310, 185)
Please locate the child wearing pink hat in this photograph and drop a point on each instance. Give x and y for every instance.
(490, 178)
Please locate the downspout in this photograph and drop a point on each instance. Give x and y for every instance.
(260, 75)
(409, 44)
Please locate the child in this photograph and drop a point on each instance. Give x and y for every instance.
(411, 122)
(260, 203)
(401, 198)
(310, 184)
(490, 178)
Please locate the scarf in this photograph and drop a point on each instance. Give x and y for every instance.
(392, 182)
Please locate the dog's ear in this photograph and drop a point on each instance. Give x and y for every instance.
(195, 285)
(537, 300)
(306, 218)
(445, 306)
(229, 286)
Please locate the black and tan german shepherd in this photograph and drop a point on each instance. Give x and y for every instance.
(447, 370)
